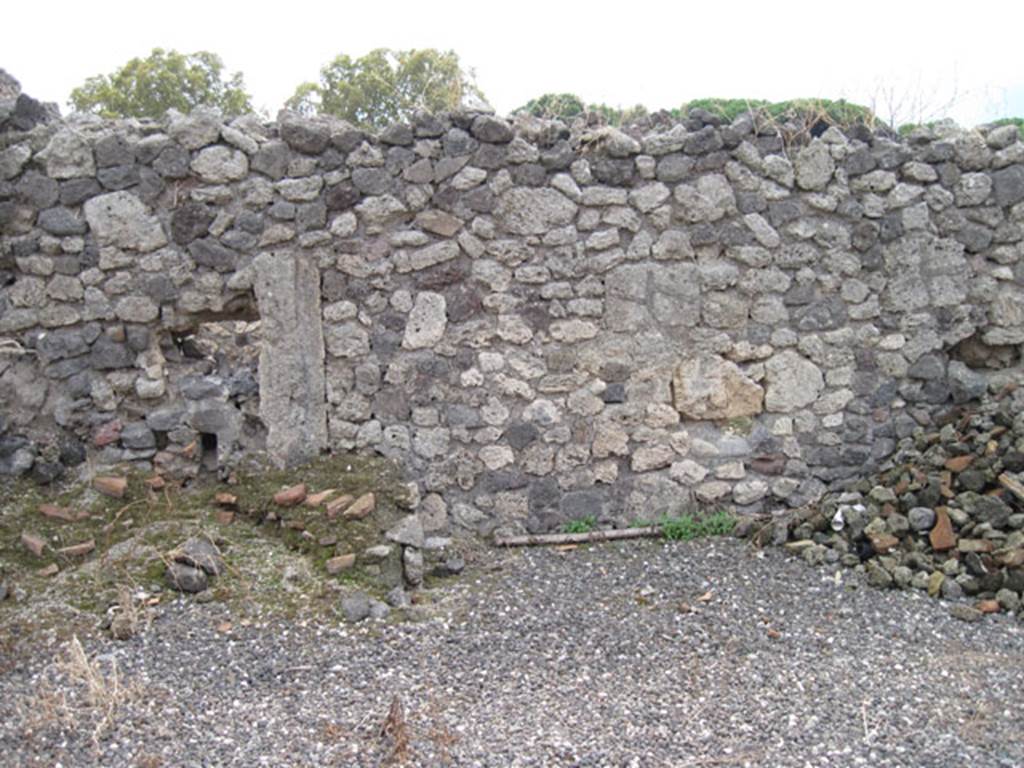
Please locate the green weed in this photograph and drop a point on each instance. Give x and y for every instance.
(687, 527)
(580, 525)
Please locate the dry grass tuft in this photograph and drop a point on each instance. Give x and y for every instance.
(396, 730)
(104, 692)
(94, 699)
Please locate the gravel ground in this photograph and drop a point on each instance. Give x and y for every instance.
(632, 654)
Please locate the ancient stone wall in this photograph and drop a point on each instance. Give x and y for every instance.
(537, 325)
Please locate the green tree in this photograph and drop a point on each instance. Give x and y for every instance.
(562, 106)
(164, 80)
(386, 86)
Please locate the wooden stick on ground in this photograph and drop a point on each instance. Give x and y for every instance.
(541, 539)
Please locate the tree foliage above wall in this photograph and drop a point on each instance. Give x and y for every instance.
(163, 80)
(387, 86)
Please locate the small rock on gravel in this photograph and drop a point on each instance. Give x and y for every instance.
(965, 613)
(185, 578)
(355, 607)
(200, 552)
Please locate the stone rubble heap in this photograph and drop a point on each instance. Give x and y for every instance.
(944, 515)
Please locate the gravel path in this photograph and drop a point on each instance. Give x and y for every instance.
(632, 654)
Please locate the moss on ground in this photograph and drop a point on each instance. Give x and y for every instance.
(276, 556)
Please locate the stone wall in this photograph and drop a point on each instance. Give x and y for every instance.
(538, 325)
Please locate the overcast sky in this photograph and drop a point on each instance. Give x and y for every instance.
(919, 61)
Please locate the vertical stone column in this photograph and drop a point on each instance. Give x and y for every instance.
(293, 398)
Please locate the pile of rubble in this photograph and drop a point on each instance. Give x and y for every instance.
(945, 515)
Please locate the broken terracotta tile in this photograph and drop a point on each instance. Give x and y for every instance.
(78, 550)
(361, 507)
(334, 506)
(33, 543)
(883, 542)
(987, 606)
(316, 499)
(107, 434)
(959, 463)
(942, 536)
(111, 486)
(226, 500)
(64, 514)
(340, 563)
(289, 497)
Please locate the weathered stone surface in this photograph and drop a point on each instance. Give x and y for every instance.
(1008, 185)
(68, 156)
(710, 387)
(427, 321)
(207, 252)
(61, 222)
(491, 129)
(534, 211)
(709, 200)
(219, 165)
(13, 159)
(439, 222)
(303, 134)
(195, 130)
(648, 457)
(356, 608)
(814, 166)
(292, 385)
(793, 382)
(120, 219)
(409, 531)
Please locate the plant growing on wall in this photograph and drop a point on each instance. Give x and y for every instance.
(566, 106)
(163, 80)
(386, 86)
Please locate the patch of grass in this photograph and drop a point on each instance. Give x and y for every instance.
(580, 525)
(275, 555)
(687, 527)
(741, 425)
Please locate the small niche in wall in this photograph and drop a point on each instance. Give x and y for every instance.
(975, 353)
(208, 452)
(218, 342)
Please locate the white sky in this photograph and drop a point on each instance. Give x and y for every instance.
(919, 60)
